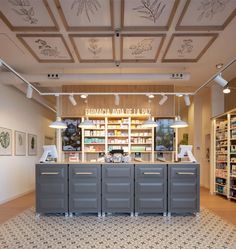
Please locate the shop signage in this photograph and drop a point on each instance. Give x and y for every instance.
(127, 111)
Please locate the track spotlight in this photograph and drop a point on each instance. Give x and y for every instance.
(226, 90)
(72, 100)
(221, 81)
(84, 96)
(187, 100)
(163, 99)
(150, 96)
(179, 95)
(29, 92)
(117, 99)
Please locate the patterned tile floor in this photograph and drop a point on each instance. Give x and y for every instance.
(117, 232)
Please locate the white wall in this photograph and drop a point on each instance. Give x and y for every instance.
(21, 114)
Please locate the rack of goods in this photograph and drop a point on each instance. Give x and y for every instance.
(141, 137)
(95, 139)
(118, 133)
(221, 157)
(232, 192)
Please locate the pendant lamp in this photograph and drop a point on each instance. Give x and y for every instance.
(178, 123)
(87, 124)
(58, 124)
(149, 123)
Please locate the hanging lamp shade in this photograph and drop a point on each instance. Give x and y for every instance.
(178, 123)
(58, 124)
(149, 123)
(87, 124)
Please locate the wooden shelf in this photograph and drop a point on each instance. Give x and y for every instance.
(231, 197)
(98, 129)
(220, 193)
(118, 136)
(234, 176)
(221, 161)
(94, 136)
(221, 177)
(118, 129)
(141, 143)
(141, 151)
(94, 143)
(118, 143)
(102, 151)
(218, 140)
(140, 136)
(219, 184)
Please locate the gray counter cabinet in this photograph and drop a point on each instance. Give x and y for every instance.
(85, 188)
(117, 188)
(183, 188)
(51, 188)
(150, 188)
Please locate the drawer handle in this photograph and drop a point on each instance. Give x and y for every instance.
(185, 173)
(83, 173)
(151, 173)
(50, 173)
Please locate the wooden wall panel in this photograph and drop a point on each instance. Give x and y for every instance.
(230, 99)
(126, 101)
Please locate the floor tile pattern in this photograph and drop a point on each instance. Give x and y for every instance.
(117, 232)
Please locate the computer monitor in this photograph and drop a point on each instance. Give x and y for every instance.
(49, 154)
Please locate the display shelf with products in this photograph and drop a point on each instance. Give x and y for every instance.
(232, 157)
(221, 178)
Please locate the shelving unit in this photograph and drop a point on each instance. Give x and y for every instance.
(221, 156)
(225, 155)
(232, 162)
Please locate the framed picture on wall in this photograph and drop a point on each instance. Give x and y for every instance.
(5, 142)
(32, 145)
(20, 143)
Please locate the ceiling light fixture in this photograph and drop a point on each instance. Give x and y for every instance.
(149, 123)
(29, 92)
(179, 95)
(72, 100)
(58, 124)
(163, 99)
(220, 80)
(150, 96)
(187, 100)
(117, 99)
(178, 123)
(219, 65)
(226, 89)
(84, 96)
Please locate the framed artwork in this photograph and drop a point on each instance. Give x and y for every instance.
(152, 15)
(188, 47)
(71, 136)
(93, 48)
(141, 47)
(20, 143)
(86, 15)
(206, 15)
(28, 15)
(5, 142)
(47, 47)
(164, 135)
(32, 145)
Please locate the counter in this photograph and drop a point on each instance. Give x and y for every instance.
(135, 188)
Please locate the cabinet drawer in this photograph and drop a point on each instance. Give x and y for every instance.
(52, 204)
(184, 203)
(151, 203)
(150, 188)
(88, 172)
(51, 172)
(117, 203)
(121, 188)
(84, 203)
(183, 173)
(184, 187)
(84, 188)
(148, 172)
(123, 171)
(52, 188)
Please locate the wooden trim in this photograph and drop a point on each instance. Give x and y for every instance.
(201, 28)
(163, 37)
(148, 28)
(72, 36)
(84, 28)
(21, 38)
(213, 35)
(27, 28)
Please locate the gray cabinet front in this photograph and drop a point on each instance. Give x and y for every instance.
(183, 188)
(51, 188)
(151, 188)
(85, 188)
(117, 188)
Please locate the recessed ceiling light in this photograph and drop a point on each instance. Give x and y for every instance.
(219, 65)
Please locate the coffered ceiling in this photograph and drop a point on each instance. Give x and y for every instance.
(117, 37)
